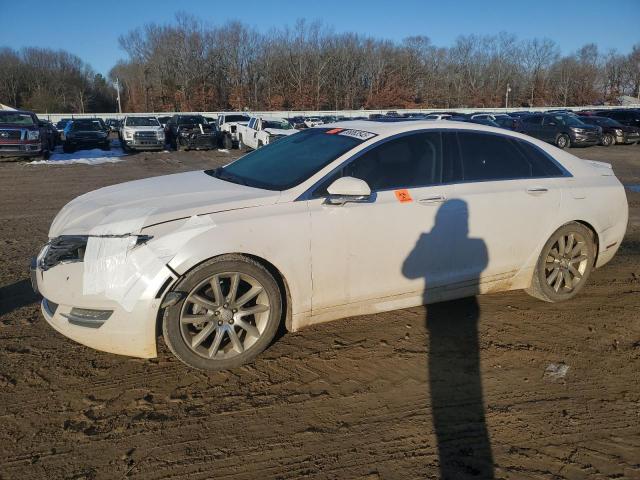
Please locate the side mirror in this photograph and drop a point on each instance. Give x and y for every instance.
(348, 189)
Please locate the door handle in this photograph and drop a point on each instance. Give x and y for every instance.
(537, 190)
(432, 199)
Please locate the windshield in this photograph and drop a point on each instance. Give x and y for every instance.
(17, 118)
(92, 126)
(142, 122)
(289, 161)
(606, 121)
(191, 120)
(279, 124)
(236, 118)
(569, 120)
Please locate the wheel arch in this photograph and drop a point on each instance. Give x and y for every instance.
(280, 279)
(596, 239)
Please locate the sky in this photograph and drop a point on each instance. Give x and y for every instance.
(90, 28)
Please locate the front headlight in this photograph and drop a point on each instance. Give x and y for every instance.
(160, 134)
(33, 135)
(618, 131)
(128, 134)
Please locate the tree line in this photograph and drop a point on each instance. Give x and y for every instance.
(46, 80)
(191, 66)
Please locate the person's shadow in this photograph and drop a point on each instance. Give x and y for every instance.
(455, 383)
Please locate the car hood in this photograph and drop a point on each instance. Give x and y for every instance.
(154, 200)
(280, 131)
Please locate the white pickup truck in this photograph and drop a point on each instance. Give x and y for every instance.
(228, 125)
(261, 131)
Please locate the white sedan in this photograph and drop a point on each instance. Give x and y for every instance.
(347, 219)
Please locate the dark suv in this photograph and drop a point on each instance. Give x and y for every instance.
(612, 131)
(23, 135)
(561, 130)
(628, 117)
(85, 134)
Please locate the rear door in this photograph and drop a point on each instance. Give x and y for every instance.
(512, 192)
(532, 125)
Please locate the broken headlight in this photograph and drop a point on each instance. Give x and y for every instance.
(71, 248)
(66, 248)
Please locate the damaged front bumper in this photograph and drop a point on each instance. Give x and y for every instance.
(94, 320)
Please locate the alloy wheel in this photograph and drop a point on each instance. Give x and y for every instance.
(224, 315)
(566, 262)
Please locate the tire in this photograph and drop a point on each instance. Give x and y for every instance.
(68, 149)
(106, 146)
(215, 349)
(178, 146)
(607, 140)
(241, 145)
(552, 287)
(227, 142)
(563, 141)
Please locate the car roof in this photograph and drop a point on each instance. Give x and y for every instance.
(393, 128)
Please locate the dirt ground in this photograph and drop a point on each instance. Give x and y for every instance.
(552, 391)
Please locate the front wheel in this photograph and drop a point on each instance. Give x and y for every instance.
(607, 140)
(563, 141)
(564, 264)
(227, 142)
(230, 313)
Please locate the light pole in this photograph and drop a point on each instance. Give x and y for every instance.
(118, 90)
(506, 97)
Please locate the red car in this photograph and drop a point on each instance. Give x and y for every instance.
(23, 135)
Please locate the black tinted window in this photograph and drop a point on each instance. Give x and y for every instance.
(491, 157)
(409, 161)
(541, 164)
(532, 120)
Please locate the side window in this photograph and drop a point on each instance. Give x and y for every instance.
(533, 120)
(406, 162)
(541, 164)
(491, 157)
(252, 122)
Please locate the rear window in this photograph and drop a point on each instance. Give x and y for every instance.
(235, 118)
(191, 120)
(291, 160)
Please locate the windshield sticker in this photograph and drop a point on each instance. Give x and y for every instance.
(359, 134)
(403, 195)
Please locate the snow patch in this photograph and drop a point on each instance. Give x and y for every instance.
(95, 156)
(223, 150)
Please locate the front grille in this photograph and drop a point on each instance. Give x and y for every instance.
(10, 134)
(145, 135)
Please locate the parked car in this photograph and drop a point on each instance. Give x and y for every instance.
(438, 116)
(61, 124)
(191, 132)
(113, 124)
(313, 121)
(52, 134)
(612, 131)
(629, 117)
(228, 127)
(81, 134)
(141, 133)
(561, 130)
(23, 135)
(261, 131)
(352, 219)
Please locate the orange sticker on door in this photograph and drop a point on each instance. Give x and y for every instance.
(403, 196)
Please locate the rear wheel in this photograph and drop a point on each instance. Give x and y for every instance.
(230, 314)
(607, 140)
(564, 264)
(563, 141)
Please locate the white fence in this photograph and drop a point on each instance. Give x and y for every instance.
(55, 117)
